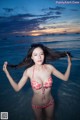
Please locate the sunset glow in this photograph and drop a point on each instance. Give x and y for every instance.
(24, 18)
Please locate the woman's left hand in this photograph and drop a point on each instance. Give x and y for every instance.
(69, 59)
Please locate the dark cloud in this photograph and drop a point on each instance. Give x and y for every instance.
(8, 9)
(14, 26)
(57, 8)
(58, 13)
(65, 31)
(74, 10)
(38, 28)
(18, 16)
(22, 22)
(22, 16)
(44, 28)
(42, 19)
(16, 23)
(50, 11)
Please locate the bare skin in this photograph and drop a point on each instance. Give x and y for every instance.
(41, 75)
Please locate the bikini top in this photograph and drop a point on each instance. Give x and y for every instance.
(36, 85)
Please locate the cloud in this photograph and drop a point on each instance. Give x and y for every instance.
(51, 11)
(57, 8)
(44, 18)
(22, 16)
(75, 10)
(8, 10)
(17, 23)
(23, 22)
(58, 13)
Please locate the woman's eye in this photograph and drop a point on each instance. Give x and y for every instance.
(42, 54)
(39, 54)
(35, 54)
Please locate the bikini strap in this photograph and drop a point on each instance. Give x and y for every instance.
(33, 73)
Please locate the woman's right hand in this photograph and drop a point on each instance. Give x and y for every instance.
(5, 66)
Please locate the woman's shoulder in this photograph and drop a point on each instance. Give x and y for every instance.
(49, 65)
(29, 70)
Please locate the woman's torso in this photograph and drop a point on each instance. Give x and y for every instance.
(41, 82)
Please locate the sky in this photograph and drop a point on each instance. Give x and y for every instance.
(39, 17)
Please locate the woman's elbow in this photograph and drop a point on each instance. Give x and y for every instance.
(17, 89)
(65, 79)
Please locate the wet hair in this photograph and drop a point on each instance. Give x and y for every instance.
(49, 55)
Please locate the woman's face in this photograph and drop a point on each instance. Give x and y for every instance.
(38, 56)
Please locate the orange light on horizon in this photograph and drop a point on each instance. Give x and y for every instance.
(52, 31)
(48, 31)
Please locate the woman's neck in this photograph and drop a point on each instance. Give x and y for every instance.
(38, 67)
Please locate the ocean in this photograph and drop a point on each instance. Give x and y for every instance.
(66, 94)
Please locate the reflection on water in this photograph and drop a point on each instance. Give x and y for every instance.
(66, 94)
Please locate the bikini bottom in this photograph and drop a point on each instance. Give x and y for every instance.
(51, 102)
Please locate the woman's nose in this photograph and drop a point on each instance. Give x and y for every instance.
(39, 56)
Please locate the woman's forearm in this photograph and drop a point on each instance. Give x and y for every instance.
(12, 82)
(67, 73)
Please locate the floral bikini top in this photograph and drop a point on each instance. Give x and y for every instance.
(36, 85)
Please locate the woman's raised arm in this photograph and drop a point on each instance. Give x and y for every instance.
(67, 73)
(23, 80)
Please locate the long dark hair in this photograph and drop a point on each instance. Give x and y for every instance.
(49, 54)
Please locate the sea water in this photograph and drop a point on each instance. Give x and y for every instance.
(66, 94)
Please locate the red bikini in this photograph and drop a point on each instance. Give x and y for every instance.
(36, 85)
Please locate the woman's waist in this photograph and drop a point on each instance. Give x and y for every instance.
(39, 94)
(41, 99)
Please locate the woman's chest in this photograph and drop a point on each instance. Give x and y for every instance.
(41, 76)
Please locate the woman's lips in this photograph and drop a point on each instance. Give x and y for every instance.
(39, 60)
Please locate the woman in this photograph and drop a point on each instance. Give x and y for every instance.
(39, 72)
